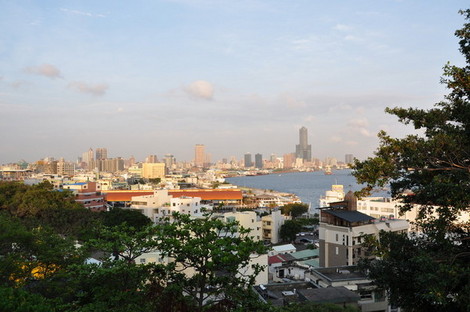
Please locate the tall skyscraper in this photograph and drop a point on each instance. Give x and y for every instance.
(248, 162)
(101, 153)
(349, 159)
(88, 157)
(151, 159)
(199, 155)
(303, 149)
(169, 161)
(258, 161)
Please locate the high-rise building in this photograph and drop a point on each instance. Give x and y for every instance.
(199, 155)
(88, 157)
(101, 153)
(288, 160)
(258, 161)
(151, 159)
(349, 159)
(303, 150)
(153, 170)
(248, 162)
(169, 161)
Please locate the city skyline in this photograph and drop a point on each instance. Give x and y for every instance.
(159, 77)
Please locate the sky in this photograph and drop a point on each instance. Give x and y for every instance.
(158, 77)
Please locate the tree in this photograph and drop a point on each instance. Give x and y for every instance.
(428, 272)
(294, 210)
(210, 257)
(125, 242)
(289, 230)
(131, 217)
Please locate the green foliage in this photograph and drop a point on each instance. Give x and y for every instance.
(18, 300)
(428, 272)
(308, 221)
(415, 272)
(124, 242)
(155, 180)
(214, 251)
(207, 270)
(130, 217)
(289, 230)
(294, 210)
(40, 205)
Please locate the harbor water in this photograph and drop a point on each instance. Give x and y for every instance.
(308, 186)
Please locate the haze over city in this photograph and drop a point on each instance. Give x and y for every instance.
(157, 77)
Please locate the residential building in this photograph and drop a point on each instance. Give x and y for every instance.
(199, 155)
(248, 220)
(288, 160)
(342, 230)
(350, 277)
(101, 153)
(247, 160)
(88, 194)
(65, 168)
(282, 294)
(161, 204)
(271, 225)
(153, 170)
(170, 162)
(259, 161)
(151, 159)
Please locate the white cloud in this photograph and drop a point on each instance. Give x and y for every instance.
(365, 132)
(358, 123)
(77, 12)
(310, 118)
(292, 102)
(46, 70)
(342, 27)
(201, 89)
(97, 89)
(336, 139)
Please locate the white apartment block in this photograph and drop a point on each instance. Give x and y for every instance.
(342, 230)
(160, 205)
(248, 220)
(271, 225)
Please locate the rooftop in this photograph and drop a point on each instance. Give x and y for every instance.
(349, 216)
(335, 274)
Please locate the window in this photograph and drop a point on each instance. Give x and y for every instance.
(336, 237)
(337, 250)
(142, 260)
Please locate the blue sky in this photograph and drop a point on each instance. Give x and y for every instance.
(157, 77)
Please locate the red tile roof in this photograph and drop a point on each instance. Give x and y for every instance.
(204, 194)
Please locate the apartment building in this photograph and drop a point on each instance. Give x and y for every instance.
(342, 230)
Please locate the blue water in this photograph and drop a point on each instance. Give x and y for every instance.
(308, 186)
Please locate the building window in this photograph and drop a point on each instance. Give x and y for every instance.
(336, 238)
(337, 250)
(142, 260)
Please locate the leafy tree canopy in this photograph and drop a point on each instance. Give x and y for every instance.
(289, 230)
(432, 171)
(294, 210)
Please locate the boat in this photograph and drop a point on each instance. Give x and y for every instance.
(327, 171)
